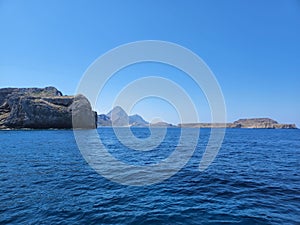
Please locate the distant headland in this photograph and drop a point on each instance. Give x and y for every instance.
(118, 117)
(259, 123)
(47, 108)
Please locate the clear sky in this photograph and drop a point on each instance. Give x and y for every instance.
(252, 46)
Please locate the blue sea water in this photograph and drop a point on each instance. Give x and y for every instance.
(255, 179)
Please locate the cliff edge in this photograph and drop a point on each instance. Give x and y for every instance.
(44, 108)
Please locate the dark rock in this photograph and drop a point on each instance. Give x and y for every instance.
(43, 108)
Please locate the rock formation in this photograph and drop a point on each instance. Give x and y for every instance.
(44, 108)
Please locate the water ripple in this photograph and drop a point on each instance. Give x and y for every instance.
(254, 180)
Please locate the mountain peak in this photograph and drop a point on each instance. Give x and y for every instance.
(118, 116)
(117, 109)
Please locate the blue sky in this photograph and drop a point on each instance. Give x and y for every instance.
(252, 47)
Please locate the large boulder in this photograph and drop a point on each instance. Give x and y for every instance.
(83, 116)
(44, 108)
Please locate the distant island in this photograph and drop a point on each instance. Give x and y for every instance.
(47, 108)
(259, 123)
(44, 108)
(118, 117)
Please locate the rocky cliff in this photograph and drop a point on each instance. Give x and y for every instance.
(44, 108)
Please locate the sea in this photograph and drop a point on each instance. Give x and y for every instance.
(255, 179)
